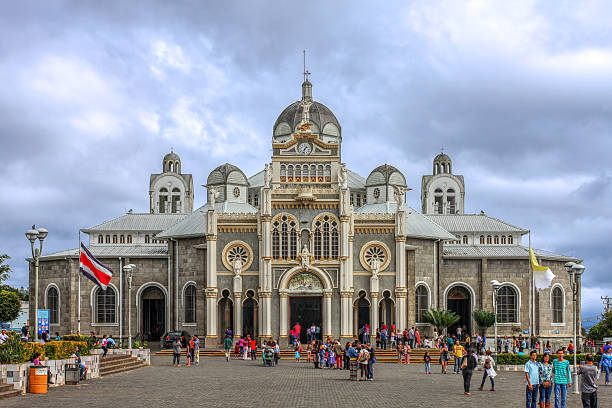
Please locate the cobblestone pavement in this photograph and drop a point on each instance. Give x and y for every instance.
(217, 383)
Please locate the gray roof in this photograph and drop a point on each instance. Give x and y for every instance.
(319, 114)
(194, 225)
(138, 222)
(473, 223)
(386, 174)
(501, 251)
(108, 251)
(226, 174)
(257, 179)
(417, 225)
(355, 180)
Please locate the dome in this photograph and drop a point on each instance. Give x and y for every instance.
(171, 163)
(320, 115)
(442, 158)
(171, 156)
(227, 174)
(442, 164)
(386, 174)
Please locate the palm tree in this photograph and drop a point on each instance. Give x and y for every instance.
(440, 318)
(484, 320)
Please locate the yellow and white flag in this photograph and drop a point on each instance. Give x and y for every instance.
(542, 275)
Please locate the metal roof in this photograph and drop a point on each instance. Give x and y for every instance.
(501, 251)
(195, 223)
(257, 179)
(114, 251)
(417, 225)
(473, 223)
(355, 180)
(138, 222)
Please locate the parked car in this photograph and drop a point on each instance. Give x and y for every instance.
(169, 337)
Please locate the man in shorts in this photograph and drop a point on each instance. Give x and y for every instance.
(227, 345)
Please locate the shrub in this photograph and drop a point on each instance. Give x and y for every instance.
(515, 359)
(13, 351)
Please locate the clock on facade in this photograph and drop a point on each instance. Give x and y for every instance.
(304, 148)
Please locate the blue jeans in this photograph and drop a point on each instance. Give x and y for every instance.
(457, 367)
(370, 369)
(607, 370)
(560, 395)
(428, 367)
(545, 393)
(532, 396)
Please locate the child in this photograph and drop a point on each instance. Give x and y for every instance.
(332, 358)
(298, 350)
(393, 338)
(400, 352)
(427, 360)
(407, 352)
(309, 353)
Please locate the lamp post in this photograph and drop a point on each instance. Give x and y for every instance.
(496, 285)
(128, 269)
(575, 271)
(33, 234)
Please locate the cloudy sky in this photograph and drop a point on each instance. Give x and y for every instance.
(518, 93)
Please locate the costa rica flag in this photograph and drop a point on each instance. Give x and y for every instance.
(93, 269)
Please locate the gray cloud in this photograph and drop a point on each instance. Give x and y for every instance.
(95, 94)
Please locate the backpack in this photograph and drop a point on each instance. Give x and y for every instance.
(363, 356)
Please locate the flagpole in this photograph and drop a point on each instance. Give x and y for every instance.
(79, 302)
(530, 290)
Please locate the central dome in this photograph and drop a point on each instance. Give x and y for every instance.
(320, 116)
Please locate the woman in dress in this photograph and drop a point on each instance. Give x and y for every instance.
(407, 352)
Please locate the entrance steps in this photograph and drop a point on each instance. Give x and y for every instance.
(7, 390)
(115, 364)
(382, 356)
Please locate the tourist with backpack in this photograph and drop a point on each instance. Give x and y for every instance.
(363, 359)
(468, 364)
(489, 371)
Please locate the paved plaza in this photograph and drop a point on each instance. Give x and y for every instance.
(246, 383)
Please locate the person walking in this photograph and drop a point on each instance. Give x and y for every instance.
(407, 352)
(363, 359)
(417, 337)
(400, 352)
(545, 370)
(227, 345)
(196, 349)
(562, 378)
(254, 349)
(468, 364)
(427, 360)
(532, 374)
(371, 362)
(459, 352)
(298, 350)
(339, 354)
(589, 374)
(488, 364)
(176, 352)
(444, 357)
(606, 362)
(188, 354)
(103, 346)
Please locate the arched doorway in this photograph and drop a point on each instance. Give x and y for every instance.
(153, 306)
(226, 314)
(386, 310)
(249, 315)
(459, 300)
(305, 304)
(361, 308)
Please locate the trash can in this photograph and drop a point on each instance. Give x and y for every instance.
(38, 379)
(73, 374)
(353, 370)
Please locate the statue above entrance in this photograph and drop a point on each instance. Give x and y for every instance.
(305, 258)
(305, 281)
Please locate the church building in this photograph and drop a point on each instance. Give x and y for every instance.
(304, 240)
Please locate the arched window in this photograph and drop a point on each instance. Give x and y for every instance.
(422, 302)
(114, 239)
(320, 173)
(465, 239)
(510, 239)
(496, 240)
(507, 305)
(482, 240)
(450, 201)
(100, 239)
(284, 238)
(305, 173)
(438, 200)
(190, 304)
(298, 173)
(283, 173)
(129, 239)
(122, 239)
(326, 238)
(557, 304)
(147, 239)
(313, 173)
(255, 200)
(290, 173)
(489, 240)
(108, 239)
(327, 173)
(176, 200)
(52, 303)
(503, 240)
(105, 306)
(163, 199)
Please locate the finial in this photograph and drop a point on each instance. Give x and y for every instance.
(306, 73)
(442, 149)
(172, 150)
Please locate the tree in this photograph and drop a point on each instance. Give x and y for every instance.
(9, 306)
(603, 328)
(23, 294)
(484, 320)
(442, 319)
(5, 269)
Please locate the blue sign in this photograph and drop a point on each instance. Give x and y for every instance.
(556, 331)
(43, 321)
(525, 331)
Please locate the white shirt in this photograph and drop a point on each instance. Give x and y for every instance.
(3, 337)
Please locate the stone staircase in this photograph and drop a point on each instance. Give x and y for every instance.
(7, 390)
(382, 356)
(114, 364)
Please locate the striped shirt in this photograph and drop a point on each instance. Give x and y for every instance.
(562, 369)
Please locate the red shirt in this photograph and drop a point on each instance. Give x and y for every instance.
(253, 344)
(297, 328)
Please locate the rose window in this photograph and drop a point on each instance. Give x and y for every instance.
(373, 253)
(237, 253)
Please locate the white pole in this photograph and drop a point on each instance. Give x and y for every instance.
(530, 291)
(574, 293)
(130, 309)
(79, 289)
(36, 255)
(120, 299)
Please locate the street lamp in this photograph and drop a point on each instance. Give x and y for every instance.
(128, 269)
(496, 285)
(33, 234)
(575, 271)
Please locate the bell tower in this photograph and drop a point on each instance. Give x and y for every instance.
(442, 192)
(171, 192)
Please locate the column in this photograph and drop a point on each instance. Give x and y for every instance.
(410, 310)
(237, 306)
(211, 340)
(265, 284)
(284, 314)
(373, 315)
(327, 313)
(346, 278)
(401, 286)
